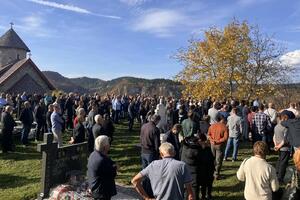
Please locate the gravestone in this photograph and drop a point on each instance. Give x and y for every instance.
(58, 162)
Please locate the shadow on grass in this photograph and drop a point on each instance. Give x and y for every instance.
(228, 191)
(19, 156)
(22, 153)
(11, 181)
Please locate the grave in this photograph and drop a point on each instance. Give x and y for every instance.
(57, 163)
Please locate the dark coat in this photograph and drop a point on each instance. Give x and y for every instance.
(200, 161)
(142, 111)
(26, 117)
(97, 130)
(40, 114)
(131, 111)
(69, 106)
(79, 133)
(150, 138)
(101, 176)
(174, 140)
(108, 128)
(293, 126)
(48, 119)
(206, 167)
(190, 155)
(8, 123)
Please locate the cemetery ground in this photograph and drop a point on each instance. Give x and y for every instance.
(20, 171)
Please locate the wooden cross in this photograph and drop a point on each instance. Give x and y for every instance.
(49, 152)
(11, 25)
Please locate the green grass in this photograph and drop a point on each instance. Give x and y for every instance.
(20, 171)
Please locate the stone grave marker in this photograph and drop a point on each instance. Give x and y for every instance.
(58, 162)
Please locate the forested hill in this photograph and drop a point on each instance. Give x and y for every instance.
(129, 85)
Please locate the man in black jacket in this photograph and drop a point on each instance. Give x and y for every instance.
(40, 117)
(102, 171)
(26, 118)
(7, 130)
(150, 141)
(69, 107)
(172, 137)
(108, 127)
(131, 114)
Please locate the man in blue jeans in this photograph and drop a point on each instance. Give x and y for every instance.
(234, 125)
(150, 142)
(26, 118)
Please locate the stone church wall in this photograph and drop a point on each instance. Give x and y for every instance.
(7, 55)
(27, 84)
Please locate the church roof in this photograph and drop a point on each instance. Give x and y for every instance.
(10, 39)
(10, 69)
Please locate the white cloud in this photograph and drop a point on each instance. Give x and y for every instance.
(168, 22)
(292, 58)
(159, 22)
(33, 21)
(35, 25)
(61, 6)
(133, 2)
(70, 7)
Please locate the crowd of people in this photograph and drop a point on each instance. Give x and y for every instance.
(183, 142)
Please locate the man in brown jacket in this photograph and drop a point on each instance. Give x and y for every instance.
(218, 135)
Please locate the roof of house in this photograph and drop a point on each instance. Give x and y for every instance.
(10, 39)
(7, 71)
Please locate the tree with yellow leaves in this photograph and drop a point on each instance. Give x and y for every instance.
(237, 62)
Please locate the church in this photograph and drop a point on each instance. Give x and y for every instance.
(18, 73)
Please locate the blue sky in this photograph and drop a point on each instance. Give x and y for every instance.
(112, 38)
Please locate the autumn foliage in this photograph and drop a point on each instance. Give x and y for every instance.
(237, 62)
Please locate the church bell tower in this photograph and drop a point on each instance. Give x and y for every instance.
(12, 48)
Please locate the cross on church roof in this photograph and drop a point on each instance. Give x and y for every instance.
(11, 25)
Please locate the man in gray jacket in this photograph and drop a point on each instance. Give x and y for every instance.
(234, 125)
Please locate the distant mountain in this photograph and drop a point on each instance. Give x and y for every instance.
(122, 85)
(63, 83)
(92, 84)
